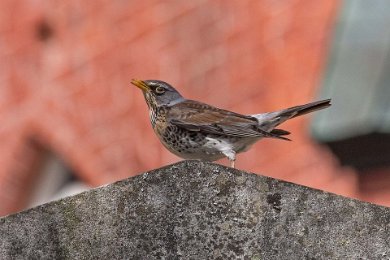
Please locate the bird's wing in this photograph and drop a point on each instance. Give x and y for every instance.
(200, 117)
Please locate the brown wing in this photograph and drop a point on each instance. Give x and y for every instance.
(200, 117)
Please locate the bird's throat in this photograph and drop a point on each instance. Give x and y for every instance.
(152, 116)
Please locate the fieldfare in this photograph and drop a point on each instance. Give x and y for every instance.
(195, 130)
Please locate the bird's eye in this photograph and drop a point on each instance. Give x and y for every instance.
(160, 90)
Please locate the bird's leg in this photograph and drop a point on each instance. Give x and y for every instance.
(232, 162)
(231, 155)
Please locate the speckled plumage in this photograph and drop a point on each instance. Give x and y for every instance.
(195, 130)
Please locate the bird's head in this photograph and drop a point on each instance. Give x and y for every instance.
(157, 92)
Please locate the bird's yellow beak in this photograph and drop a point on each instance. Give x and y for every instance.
(140, 84)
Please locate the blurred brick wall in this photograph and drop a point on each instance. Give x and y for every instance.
(65, 69)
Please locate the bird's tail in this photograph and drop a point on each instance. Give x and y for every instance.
(305, 109)
(268, 121)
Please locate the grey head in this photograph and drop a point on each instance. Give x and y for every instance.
(158, 93)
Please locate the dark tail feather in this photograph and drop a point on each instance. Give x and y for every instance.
(304, 109)
(278, 137)
(273, 119)
(280, 132)
(274, 134)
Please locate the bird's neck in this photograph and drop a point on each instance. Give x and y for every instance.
(156, 113)
(176, 101)
(152, 116)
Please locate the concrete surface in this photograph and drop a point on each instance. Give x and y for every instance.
(196, 210)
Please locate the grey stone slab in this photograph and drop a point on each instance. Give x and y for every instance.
(196, 210)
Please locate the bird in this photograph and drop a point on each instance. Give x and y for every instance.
(194, 130)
